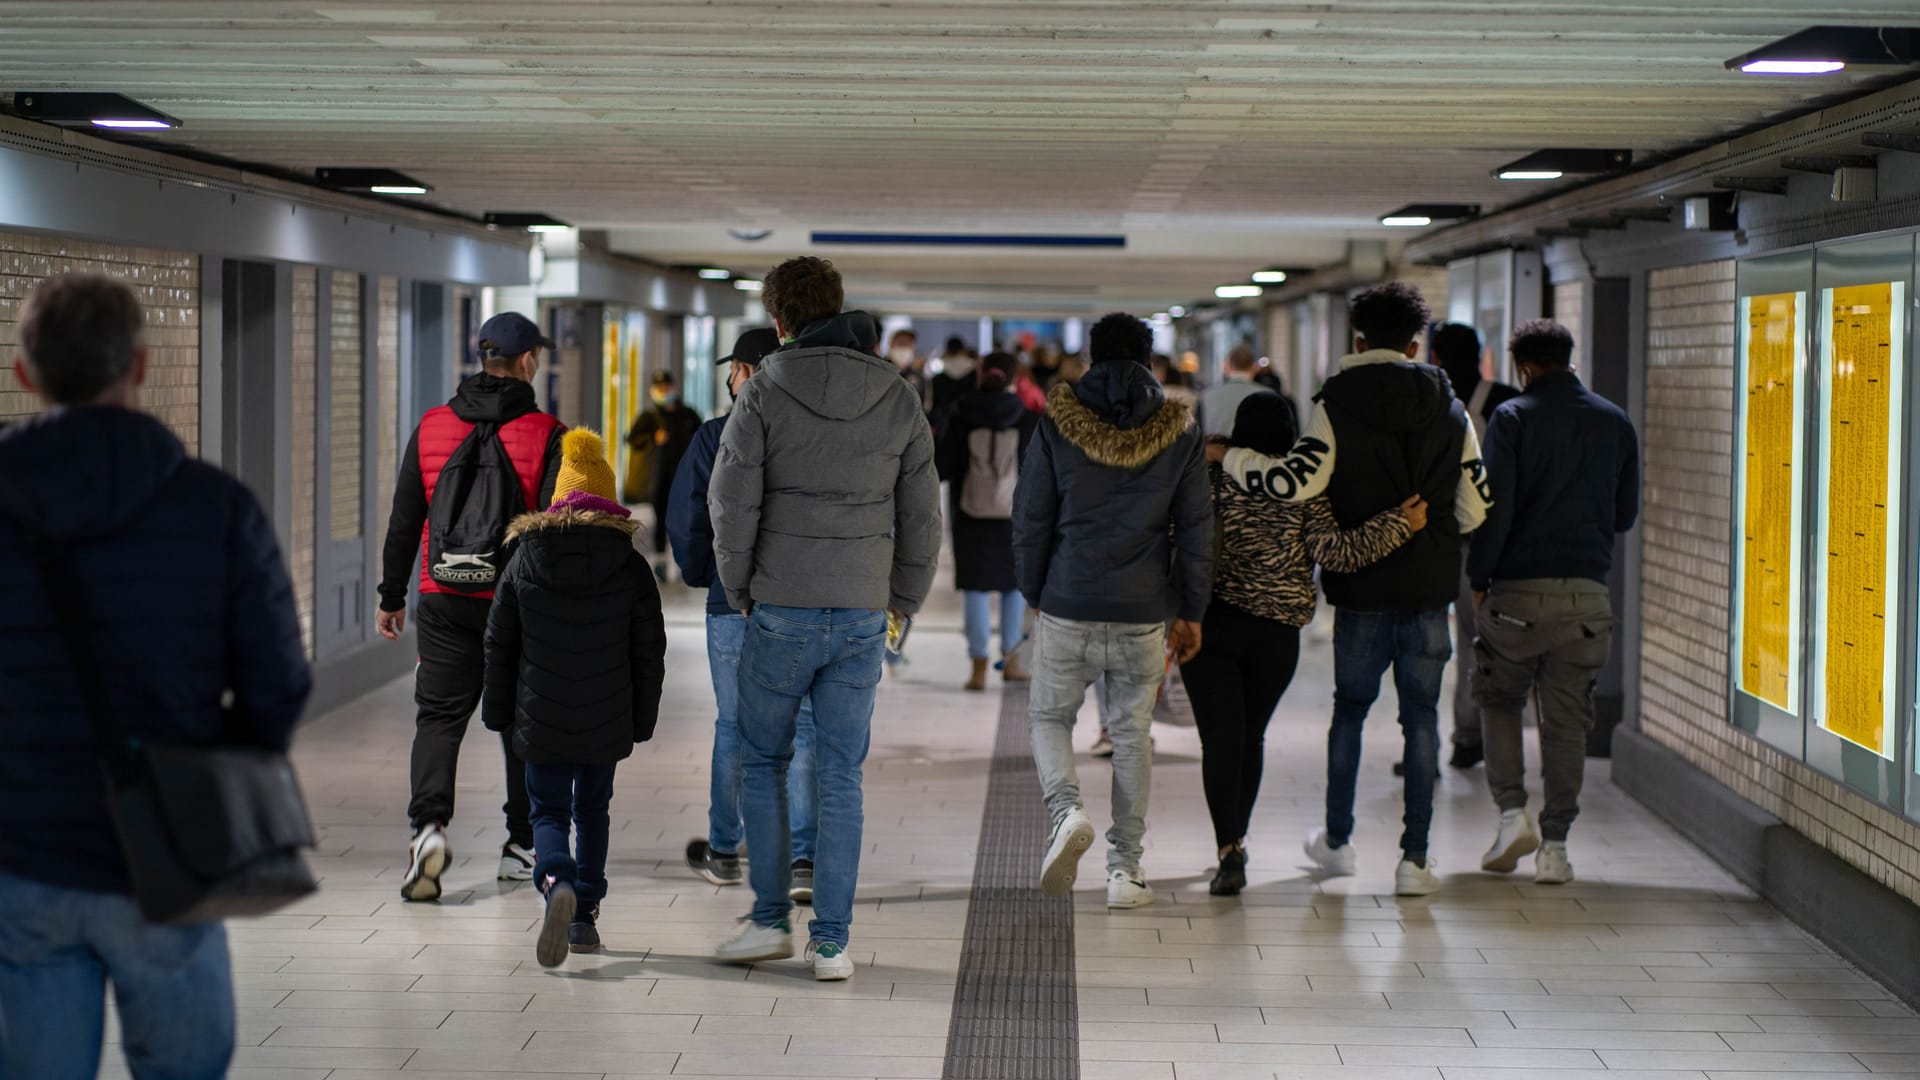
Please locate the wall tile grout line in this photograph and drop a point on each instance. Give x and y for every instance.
(1015, 1009)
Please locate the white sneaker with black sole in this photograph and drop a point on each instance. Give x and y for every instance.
(1071, 839)
(1128, 889)
(1517, 838)
(516, 863)
(427, 858)
(801, 889)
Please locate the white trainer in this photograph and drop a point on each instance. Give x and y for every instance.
(516, 863)
(830, 961)
(427, 858)
(1128, 889)
(1332, 861)
(757, 943)
(1518, 837)
(1071, 839)
(1413, 879)
(1551, 867)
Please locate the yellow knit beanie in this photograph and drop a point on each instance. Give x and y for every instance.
(583, 467)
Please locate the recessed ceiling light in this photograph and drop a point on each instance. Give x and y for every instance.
(1237, 292)
(372, 181)
(1824, 50)
(113, 112)
(1269, 277)
(532, 222)
(1419, 215)
(714, 273)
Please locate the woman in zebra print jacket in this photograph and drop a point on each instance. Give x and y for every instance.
(1263, 593)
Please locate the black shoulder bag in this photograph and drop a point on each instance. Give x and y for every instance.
(209, 832)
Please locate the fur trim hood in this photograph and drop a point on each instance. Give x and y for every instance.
(1108, 444)
(566, 517)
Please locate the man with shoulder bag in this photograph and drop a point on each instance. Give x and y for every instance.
(148, 647)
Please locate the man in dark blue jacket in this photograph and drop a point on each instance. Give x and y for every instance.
(191, 615)
(716, 856)
(1564, 465)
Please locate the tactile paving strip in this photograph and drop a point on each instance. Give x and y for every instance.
(1015, 1015)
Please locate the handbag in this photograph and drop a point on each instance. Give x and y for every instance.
(208, 832)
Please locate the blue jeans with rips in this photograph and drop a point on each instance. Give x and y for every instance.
(724, 825)
(1417, 646)
(61, 948)
(834, 655)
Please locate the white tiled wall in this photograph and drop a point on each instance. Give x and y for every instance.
(306, 370)
(345, 345)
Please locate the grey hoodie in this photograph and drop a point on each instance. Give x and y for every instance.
(824, 493)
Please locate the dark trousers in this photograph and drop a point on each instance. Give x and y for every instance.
(452, 632)
(576, 795)
(1244, 666)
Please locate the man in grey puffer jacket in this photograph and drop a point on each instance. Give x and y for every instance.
(825, 508)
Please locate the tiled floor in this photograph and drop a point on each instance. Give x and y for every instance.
(1655, 965)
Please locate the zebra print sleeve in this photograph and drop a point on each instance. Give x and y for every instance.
(1345, 551)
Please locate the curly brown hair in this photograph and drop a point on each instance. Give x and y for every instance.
(802, 291)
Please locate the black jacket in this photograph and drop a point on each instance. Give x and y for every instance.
(689, 524)
(1399, 431)
(576, 646)
(188, 600)
(1565, 468)
(1113, 520)
(982, 547)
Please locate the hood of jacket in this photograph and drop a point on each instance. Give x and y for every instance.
(1120, 436)
(990, 409)
(495, 398)
(828, 369)
(1385, 391)
(88, 471)
(572, 550)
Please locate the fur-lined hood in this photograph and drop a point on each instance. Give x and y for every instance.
(567, 517)
(1109, 444)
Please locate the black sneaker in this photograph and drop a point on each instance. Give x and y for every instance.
(801, 891)
(1232, 875)
(712, 866)
(1466, 757)
(584, 935)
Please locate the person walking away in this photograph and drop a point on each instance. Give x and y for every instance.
(1220, 406)
(715, 857)
(471, 467)
(1564, 464)
(1263, 593)
(1455, 349)
(188, 605)
(660, 437)
(903, 351)
(1382, 427)
(953, 381)
(1112, 538)
(979, 458)
(576, 655)
(826, 516)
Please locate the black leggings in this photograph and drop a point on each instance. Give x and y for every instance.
(1245, 665)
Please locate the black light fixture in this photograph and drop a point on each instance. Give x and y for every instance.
(522, 220)
(1420, 215)
(1555, 163)
(1823, 50)
(371, 181)
(113, 112)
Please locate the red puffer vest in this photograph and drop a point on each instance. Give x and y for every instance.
(525, 438)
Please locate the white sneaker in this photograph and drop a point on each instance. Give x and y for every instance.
(1128, 889)
(1412, 879)
(427, 858)
(1071, 839)
(1517, 837)
(1551, 867)
(757, 943)
(1332, 861)
(516, 863)
(830, 961)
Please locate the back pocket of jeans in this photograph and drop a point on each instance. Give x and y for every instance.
(860, 667)
(772, 659)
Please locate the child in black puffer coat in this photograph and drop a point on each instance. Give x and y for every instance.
(575, 657)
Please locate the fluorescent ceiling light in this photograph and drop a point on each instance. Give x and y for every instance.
(112, 112)
(371, 181)
(1406, 221)
(1531, 174)
(1792, 67)
(548, 228)
(1420, 215)
(1269, 277)
(1237, 292)
(1554, 163)
(714, 273)
(532, 222)
(748, 285)
(398, 189)
(132, 125)
(1823, 50)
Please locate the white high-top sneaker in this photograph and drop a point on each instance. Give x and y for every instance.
(1551, 867)
(1071, 839)
(1518, 837)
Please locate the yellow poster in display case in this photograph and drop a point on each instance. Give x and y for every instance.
(1769, 557)
(1859, 534)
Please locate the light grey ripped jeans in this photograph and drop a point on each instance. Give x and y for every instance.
(1067, 657)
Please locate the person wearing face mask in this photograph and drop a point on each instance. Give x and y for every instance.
(955, 381)
(659, 438)
(903, 350)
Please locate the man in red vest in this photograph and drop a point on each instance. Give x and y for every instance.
(456, 587)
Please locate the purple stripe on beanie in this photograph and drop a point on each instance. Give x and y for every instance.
(586, 500)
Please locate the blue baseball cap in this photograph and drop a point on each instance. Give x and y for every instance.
(510, 334)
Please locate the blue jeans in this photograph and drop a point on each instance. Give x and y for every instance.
(1365, 643)
(576, 795)
(834, 655)
(60, 948)
(979, 622)
(724, 826)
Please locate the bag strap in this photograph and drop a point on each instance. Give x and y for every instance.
(72, 615)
